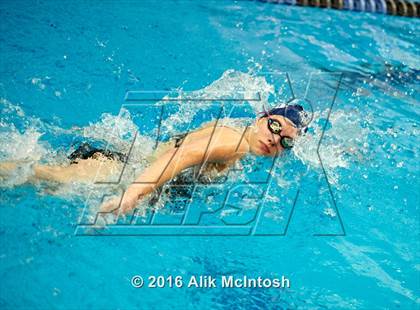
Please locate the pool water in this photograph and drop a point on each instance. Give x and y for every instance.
(65, 71)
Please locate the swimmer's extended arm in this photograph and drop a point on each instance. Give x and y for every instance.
(169, 165)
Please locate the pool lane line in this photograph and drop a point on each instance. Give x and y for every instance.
(404, 8)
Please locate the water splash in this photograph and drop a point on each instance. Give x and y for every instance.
(19, 145)
(342, 139)
(234, 85)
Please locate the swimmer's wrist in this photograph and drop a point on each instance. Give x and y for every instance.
(139, 190)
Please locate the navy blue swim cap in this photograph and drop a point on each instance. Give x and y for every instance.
(293, 112)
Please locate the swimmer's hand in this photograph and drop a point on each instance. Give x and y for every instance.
(120, 206)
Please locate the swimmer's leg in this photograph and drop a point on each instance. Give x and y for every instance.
(86, 172)
(41, 172)
(71, 173)
(7, 167)
(50, 173)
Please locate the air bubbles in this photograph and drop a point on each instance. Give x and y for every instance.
(38, 82)
(56, 291)
(330, 212)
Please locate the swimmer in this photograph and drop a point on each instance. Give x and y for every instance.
(210, 147)
(220, 146)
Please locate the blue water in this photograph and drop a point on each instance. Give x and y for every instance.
(65, 70)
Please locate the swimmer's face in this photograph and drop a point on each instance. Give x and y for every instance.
(264, 142)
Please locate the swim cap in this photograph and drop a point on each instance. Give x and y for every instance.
(293, 112)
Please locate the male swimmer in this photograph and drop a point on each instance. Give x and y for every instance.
(211, 147)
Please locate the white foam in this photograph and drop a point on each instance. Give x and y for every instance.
(341, 138)
(344, 139)
(19, 145)
(231, 85)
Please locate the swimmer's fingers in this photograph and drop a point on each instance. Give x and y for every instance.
(128, 203)
(111, 206)
(116, 205)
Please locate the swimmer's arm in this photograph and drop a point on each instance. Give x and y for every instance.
(173, 162)
(168, 166)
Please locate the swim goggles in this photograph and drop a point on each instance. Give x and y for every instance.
(275, 127)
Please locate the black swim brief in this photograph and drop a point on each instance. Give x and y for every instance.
(85, 151)
(179, 139)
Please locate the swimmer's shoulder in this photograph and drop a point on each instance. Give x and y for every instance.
(221, 127)
(231, 141)
(226, 141)
(232, 137)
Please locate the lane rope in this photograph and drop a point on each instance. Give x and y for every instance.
(406, 8)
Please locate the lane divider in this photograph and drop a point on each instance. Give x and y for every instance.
(407, 8)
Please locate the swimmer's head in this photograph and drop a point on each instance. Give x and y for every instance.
(276, 129)
(294, 113)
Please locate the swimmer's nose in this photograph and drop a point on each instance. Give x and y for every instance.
(274, 140)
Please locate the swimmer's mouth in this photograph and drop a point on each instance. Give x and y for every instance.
(265, 148)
